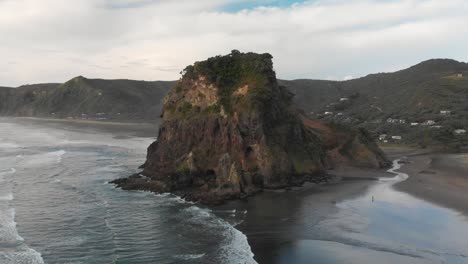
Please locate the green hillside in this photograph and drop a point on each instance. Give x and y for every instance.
(415, 95)
(83, 98)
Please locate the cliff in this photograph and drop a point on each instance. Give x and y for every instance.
(229, 130)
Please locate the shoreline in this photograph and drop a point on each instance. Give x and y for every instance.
(438, 179)
(436, 176)
(275, 218)
(118, 129)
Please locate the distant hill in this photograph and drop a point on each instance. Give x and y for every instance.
(84, 98)
(414, 95)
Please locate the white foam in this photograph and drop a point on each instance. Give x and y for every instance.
(8, 145)
(25, 256)
(8, 232)
(238, 249)
(189, 256)
(44, 158)
(8, 197)
(10, 171)
(234, 247)
(4, 173)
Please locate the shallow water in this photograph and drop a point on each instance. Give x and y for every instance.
(56, 205)
(383, 226)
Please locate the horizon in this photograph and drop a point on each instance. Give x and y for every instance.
(154, 39)
(174, 80)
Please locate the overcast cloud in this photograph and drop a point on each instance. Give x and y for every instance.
(55, 40)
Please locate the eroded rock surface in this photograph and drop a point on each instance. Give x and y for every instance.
(229, 130)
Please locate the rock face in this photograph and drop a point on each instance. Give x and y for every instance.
(229, 130)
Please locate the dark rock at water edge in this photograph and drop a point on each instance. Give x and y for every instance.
(230, 130)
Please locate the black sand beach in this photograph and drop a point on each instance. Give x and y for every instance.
(281, 225)
(278, 221)
(439, 178)
(277, 218)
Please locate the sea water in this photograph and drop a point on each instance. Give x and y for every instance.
(56, 205)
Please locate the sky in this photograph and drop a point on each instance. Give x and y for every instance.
(56, 40)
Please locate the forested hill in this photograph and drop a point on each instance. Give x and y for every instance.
(434, 90)
(82, 98)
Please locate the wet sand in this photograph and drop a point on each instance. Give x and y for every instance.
(440, 178)
(277, 218)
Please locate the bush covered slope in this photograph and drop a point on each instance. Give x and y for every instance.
(416, 94)
(84, 98)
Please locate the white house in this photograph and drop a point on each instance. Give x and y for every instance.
(344, 99)
(415, 124)
(396, 121)
(436, 127)
(459, 75)
(459, 131)
(445, 112)
(428, 123)
(328, 113)
(396, 137)
(382, 137)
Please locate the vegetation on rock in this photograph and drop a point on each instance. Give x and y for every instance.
(230, 130)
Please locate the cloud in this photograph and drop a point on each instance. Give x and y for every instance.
(54, 40)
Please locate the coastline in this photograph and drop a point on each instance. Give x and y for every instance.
(438, 178)
(117, 128)
(275, 218)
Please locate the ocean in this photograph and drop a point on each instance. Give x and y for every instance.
(57, 207)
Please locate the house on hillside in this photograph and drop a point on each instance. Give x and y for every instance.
(415, 124)
(328, 113)
(382, 137)
(342, 99)
(459, 131)
(428, 123)
(396, 137)
(445, 112)
(459, 75)
(396, 121)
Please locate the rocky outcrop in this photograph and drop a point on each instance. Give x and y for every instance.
(229, 130)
